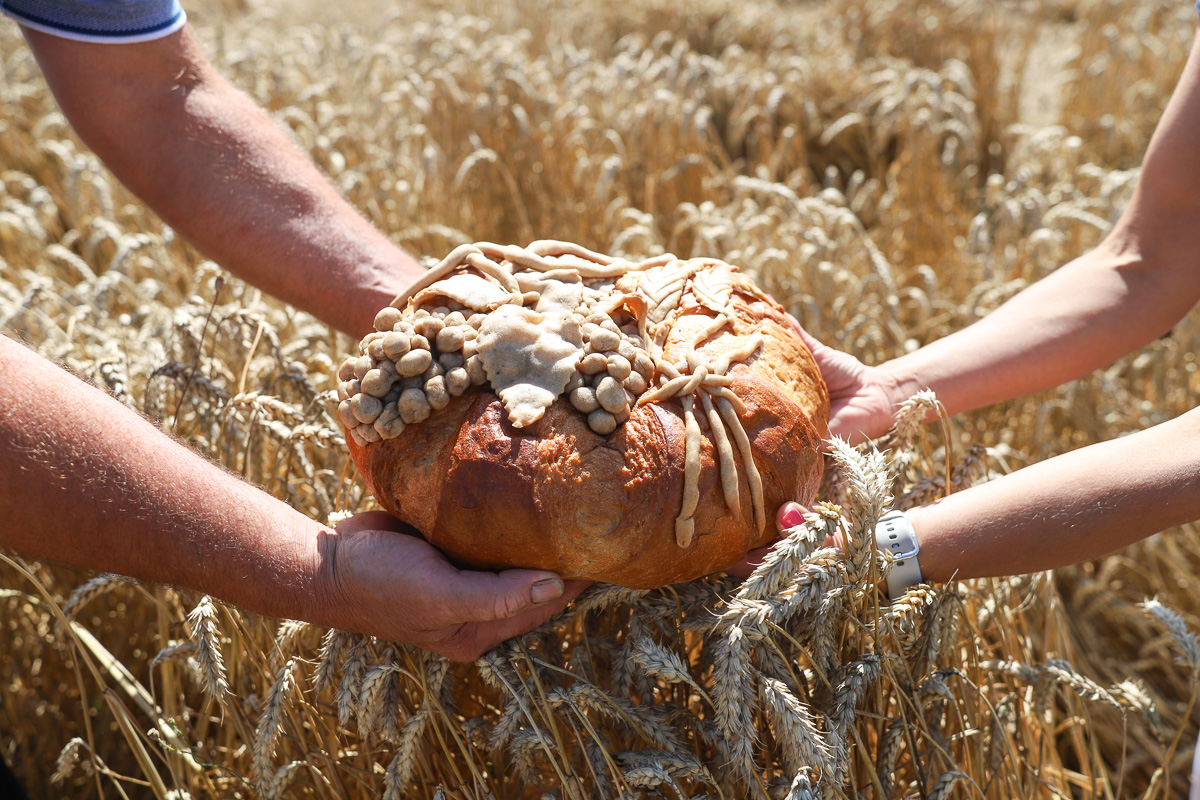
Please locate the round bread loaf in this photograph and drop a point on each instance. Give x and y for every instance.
(636, 423)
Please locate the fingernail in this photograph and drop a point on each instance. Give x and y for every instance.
(546, 590)
(792, 517)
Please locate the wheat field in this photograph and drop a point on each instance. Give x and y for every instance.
(890, 171)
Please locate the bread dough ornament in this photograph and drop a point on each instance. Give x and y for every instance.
(548, 407)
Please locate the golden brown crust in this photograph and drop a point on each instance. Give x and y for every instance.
(783, 359)
(557, 496)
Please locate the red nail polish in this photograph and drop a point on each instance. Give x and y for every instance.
(792, 517)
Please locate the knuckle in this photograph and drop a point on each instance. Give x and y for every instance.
(507, 604)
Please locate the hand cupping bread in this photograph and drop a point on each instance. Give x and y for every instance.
(549, 407)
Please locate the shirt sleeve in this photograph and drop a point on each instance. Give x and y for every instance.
(103, 21)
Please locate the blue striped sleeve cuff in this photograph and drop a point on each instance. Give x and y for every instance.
(104, 21)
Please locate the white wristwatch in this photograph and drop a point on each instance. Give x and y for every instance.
(895, 534)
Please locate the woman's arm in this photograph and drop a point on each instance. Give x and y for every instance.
(1077, 506)
(214, 165)
(1131, 289)
(87, 482)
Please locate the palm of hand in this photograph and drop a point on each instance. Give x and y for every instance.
(397, 586)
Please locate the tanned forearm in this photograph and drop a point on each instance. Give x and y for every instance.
(1070, 508)
(213, 164)
(1078, 319)
(87, 482)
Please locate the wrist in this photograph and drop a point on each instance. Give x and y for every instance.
(358, 575)
(389, 272)
(895, 535)
(900, 381)
(331, 602)
(933, 563)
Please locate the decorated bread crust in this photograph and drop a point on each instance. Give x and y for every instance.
(551, 407)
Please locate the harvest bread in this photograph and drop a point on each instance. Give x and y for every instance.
(550, 407)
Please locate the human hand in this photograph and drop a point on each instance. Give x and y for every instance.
(385, 580)
(862, 399)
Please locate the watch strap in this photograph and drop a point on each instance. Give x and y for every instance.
(895, 534)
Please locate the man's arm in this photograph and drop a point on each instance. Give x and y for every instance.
(1132, 288)
(215, 166)
(87, 482)
(1080, 505)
